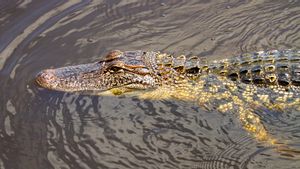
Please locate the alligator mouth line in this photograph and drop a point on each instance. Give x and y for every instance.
(90, 81)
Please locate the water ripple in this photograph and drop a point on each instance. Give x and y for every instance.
(47, 129)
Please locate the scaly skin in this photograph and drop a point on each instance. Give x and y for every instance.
(239, 85)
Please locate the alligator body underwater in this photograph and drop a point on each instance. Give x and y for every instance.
(265, 79)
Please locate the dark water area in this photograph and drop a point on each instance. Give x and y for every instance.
(42, 129)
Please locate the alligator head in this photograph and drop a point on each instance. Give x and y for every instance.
(118, 70)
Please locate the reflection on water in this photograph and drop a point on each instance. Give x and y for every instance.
(47, 129)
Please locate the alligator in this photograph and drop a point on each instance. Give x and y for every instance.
(240, 85)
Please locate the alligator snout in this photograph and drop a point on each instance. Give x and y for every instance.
(46, 78)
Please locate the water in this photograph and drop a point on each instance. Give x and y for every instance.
(47, 129)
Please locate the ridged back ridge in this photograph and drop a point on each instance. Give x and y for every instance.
(260, 68)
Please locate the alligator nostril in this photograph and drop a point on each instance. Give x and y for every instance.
(45, 77)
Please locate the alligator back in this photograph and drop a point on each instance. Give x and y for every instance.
(264, 68)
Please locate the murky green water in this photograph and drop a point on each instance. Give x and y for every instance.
(41, 129)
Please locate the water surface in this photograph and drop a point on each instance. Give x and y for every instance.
(41, 129)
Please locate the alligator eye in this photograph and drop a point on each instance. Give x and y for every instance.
(115, 69)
